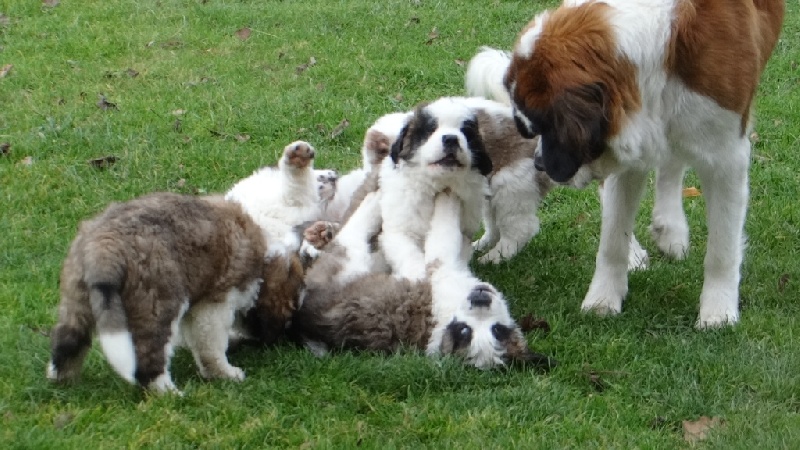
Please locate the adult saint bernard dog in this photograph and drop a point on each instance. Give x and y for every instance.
(620, 87)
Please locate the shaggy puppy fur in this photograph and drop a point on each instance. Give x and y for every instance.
(279, 199)
(440, 147)
(619, 88)
(349, 306)
(513, 206)
(161, 270)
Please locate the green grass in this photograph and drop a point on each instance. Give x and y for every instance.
(371, 58)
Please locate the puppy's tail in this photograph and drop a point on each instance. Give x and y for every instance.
(485, 73)
(104, 277)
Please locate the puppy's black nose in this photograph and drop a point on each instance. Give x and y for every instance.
(480, 297)
(538, 163)
(450, 140)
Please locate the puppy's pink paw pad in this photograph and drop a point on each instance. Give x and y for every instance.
(320, 234)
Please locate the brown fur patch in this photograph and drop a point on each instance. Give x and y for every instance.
(719, 48)
(502, 141)
(378, 146)
(576, 48)
(278, 298)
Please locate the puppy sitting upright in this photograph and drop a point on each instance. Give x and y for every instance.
(439, 147)
(165, 269)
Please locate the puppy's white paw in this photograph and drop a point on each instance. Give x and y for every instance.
(638, 259)
(718, 308)
(163, 385)
(486, 241)
(671, 237)
(298, 154)
(503, 251)
(604, 297)
(233, 373)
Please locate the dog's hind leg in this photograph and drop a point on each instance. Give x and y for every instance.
(72, 336)
(725, 186)
(355, 237)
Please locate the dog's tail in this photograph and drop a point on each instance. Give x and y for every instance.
(91, 281)
(104, 276)
(485, 73)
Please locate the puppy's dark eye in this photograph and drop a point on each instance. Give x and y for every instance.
(470, 129)
(501, 332)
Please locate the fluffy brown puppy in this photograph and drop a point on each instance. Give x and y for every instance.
(162, 270)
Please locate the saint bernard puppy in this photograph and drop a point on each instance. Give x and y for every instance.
(439, 147)
(617, 88)
(351, 304)
(165, 270)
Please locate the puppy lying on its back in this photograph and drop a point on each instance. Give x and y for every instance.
(165, 269)
(349, 305)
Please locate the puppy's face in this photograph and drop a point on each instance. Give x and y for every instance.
(442, 137)
(483, 333)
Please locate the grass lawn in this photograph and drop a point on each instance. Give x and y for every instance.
(200, 102)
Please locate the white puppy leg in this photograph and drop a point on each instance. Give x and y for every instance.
(669, 228)
(206, 329)
(355, 235)
(444, 243)
(725, 186)
(490, 234)
(610, 281)
(638, 259)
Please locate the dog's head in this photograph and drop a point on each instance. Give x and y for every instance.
(479, 328)
(569, 84)
(442, 137)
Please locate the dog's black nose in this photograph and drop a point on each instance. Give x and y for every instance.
(450, 140)
(538, 163)
(480, 297)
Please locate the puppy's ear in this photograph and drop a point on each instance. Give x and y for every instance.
(482, 161)
(579, 132)
(480, 158)
(397, 147)
(517, 352)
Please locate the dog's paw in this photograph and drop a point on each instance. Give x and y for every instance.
(638, 259)
(233, 373)
(163, 384)
(298, 154)
(605, 296)
(718, 308)
(671, 237)
(320, 234)
(326, 184)
(503, 251)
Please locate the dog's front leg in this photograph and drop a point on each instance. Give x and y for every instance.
(621, 196)
(403, 254)
(669, 228)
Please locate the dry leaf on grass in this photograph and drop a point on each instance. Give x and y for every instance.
(340, 128)
(5, 70)
(4, 20)
(104, 104)
(103, 162)
(132, 73)
(782, 282)
(432, 36)
(177, 125)
(243, 33)
(62, 420)
(303, 67)
(691, 192)
(26, 161)
(530, 323)
(241, 137)
(755, 138)
(5, 148)
(460, 62)
(51, 3)
(179, 112)
(697, 430)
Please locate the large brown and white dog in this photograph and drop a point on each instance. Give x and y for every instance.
(165, 270)
(618, 88)
(350, 304)
(440, 147)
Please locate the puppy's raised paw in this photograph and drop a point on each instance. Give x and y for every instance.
(298, 154)
(320, 233)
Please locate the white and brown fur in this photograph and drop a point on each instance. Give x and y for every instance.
(619, 88)
(515, 199)
(161, 270)
(440, 147)
(351, 305)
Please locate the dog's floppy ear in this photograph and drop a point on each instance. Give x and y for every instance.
(517, 352)
(579, 130)
(397, 147)
(481, 161)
